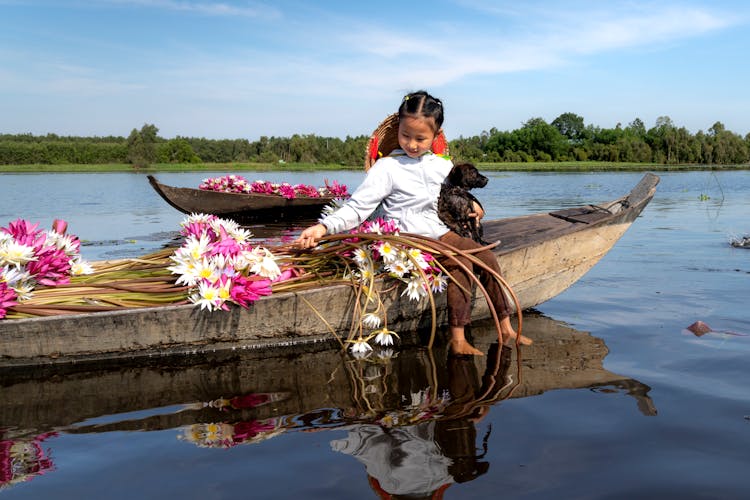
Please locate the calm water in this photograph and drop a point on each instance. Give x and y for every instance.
(614, 400)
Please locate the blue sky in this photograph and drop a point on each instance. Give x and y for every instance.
(242, 69)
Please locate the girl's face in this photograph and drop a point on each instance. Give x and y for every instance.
(415, 135)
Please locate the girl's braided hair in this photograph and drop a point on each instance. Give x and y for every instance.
(422, 104)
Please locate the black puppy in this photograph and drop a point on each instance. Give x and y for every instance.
(456, 202)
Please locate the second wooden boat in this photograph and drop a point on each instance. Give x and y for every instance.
(253, 207)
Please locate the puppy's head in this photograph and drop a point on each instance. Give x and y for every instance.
(467, 176)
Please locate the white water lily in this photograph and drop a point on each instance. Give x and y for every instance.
(16, 254)
(264, 264)
(387, 251)
(399, 267)
(371, 320)
(360, 346)
(416, 255)
(360, 255)
(196, 247)
(64, 242)
(196, 218)
(415, 289)
(384, 337)
(207, 297)
(438, 283)
(19, 280)
(79, 267)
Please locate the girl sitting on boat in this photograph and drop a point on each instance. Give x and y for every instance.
(405, 186)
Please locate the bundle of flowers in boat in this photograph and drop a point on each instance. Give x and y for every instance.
(32, 257)
(238, 184)
(220, 265)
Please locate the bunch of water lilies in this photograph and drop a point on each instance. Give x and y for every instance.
(238, 184)
(375, 249)
(219, 264)
(30, 257)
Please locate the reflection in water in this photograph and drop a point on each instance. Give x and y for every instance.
(422, 459)
(410, 410)
(22, 459)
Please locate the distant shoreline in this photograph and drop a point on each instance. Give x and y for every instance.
(570, 166)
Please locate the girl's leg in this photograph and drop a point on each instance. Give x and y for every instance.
(459, 302)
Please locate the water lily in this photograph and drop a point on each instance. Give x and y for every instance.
(264, 264)
(438, 282)
(384, 337)
(371, 320)
(16, 254)
(360, 346)
(387, 251)
(78, 267)
(415, 289)
(207, 296)
(7, 298)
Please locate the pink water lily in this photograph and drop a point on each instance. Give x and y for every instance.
(238, 184)
(37, 257)
(225, 245)
(247, 290)
(7, 298)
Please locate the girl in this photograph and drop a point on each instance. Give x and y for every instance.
(406, 185)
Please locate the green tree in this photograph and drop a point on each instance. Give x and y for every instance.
(571, 126)
(142, 146)
(177, 150)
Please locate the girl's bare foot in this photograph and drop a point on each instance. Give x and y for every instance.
(459, 345)
(510, 338)
(509, 334)
(463, 347)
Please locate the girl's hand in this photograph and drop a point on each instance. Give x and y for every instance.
(478, 211)
(310, 236)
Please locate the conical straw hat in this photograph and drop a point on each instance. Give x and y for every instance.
(385, 139)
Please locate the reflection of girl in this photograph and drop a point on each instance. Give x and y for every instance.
(403, 460)
(422, 460)
(406, 185)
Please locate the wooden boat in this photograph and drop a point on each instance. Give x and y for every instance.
(258, 208)
(541, 255)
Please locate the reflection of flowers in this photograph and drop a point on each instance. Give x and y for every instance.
(30, 257)
(22, 459)
(424, 406)
(238, 184)
(227, 435)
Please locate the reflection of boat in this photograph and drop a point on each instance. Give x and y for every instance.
(317, 388)
(541, 255)
(419, 406)
(249, 207)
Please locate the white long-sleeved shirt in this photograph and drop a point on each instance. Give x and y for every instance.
(406, 189)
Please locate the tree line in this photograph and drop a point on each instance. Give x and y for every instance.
(566, 138)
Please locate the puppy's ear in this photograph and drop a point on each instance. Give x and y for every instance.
(455, 176)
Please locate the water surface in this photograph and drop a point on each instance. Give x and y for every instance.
(614, 400)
